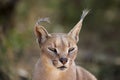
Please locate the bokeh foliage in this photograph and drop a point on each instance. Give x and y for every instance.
(99, 38)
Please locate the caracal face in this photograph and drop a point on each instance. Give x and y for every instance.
(61, 50)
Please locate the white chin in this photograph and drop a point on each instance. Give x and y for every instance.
(62, 67)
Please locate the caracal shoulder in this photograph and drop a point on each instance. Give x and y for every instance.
(83, 74)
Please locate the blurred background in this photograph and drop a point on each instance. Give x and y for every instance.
(99, 44)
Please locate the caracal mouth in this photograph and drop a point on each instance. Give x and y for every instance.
(62, 67)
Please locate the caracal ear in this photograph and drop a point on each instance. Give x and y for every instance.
(40, 31)
(74, 33)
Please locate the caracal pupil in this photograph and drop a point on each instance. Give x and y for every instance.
(57, 54)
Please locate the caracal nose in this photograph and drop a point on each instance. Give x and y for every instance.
(63, 60)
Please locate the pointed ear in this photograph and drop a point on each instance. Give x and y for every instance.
(74, 33)
(41, 32)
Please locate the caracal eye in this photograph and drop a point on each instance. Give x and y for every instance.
(52, 50)
(71, 49)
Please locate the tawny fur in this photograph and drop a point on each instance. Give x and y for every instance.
(47, 67)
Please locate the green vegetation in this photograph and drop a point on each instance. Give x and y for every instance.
(99, 38)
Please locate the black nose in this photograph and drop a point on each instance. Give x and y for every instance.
(63, 60)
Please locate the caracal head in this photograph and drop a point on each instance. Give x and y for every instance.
(59, 48)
